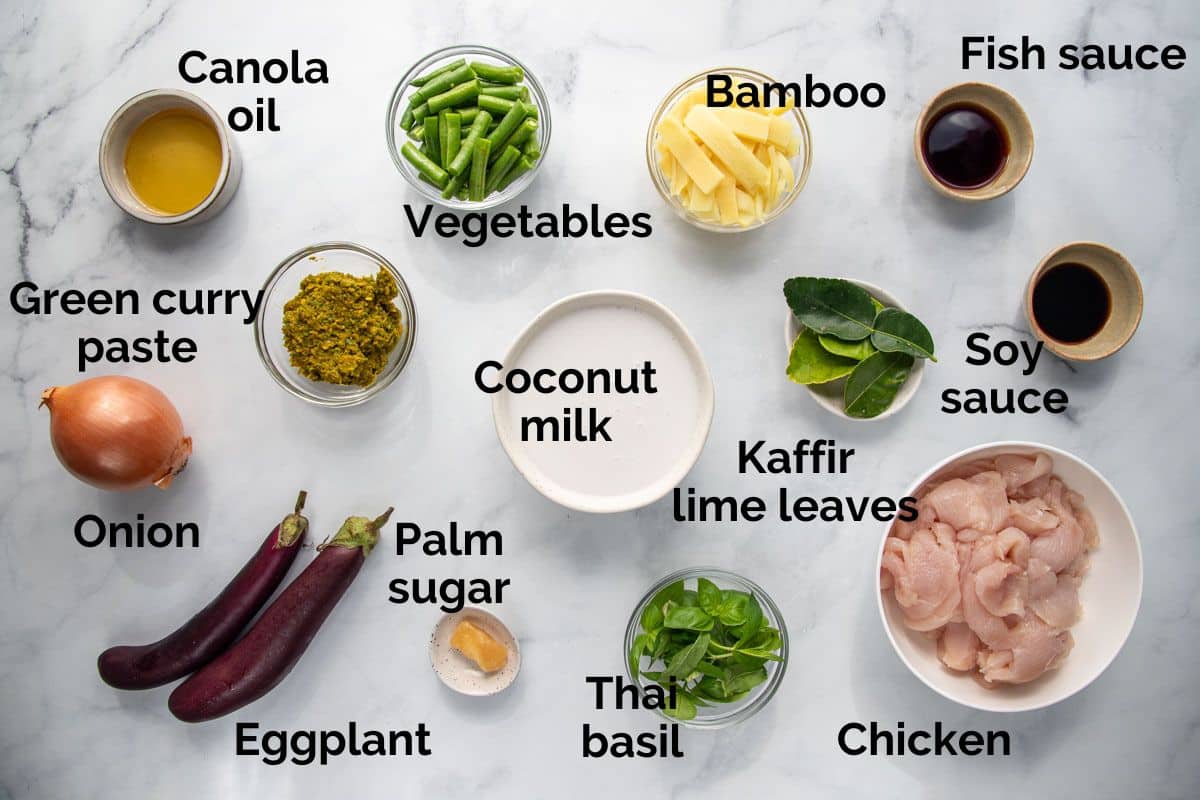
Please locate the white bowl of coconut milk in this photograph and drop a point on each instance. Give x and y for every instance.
(604, 401)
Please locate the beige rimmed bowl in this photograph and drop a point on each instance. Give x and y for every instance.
(1124, 290)
(1017, 130)
(132, 113)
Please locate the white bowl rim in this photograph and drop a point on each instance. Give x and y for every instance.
(908, 389)
(598, 504)
(1013, 444)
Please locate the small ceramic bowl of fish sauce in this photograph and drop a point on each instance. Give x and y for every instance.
(1084, 301)
(973, 141)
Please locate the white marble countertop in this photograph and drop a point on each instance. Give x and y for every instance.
(1116, 162)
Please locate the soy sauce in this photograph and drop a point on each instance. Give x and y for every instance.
(1071, 302)
(965, 147)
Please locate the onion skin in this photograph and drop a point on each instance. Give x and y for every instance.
(117, 433)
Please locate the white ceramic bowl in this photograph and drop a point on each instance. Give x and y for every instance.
(460, 673)
(830, 396)
(593, 498)
(1110, 594)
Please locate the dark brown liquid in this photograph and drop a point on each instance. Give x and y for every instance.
(965, 147)
(1071, 302)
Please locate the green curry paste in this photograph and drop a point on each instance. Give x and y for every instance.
(341, 328)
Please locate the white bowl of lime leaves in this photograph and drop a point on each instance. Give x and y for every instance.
(860, 364)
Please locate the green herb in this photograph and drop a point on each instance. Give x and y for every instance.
(831, 305)
(848, 333)
(898, 331)
(714, 643)
(873, 384)
(809, 362)
(855, 350)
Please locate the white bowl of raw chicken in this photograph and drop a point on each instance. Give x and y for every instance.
(1109, 592)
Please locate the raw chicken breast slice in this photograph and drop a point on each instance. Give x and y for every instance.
(1012, 545)
(924, 572)
(925, 518)
(1062, 545)
(1002, 588)
(959, 647)
(1037, 648)
(1032, 516)
(1054, 598)
(1035, 488)
(978, 502)
(1018, 470)
(991, 629)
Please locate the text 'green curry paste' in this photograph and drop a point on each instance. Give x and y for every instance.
(341, 328)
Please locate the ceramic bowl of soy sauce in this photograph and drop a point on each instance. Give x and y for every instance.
(973, 142)
(1084, 301)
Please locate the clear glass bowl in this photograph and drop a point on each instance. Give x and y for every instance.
(284, 283)
(717, 715)
(801, 162)
(397, 136)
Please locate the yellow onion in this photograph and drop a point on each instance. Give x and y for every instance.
(117, 433)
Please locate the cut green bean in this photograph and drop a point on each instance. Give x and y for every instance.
(477, 184)
(424, 165)
(417, 132)
(527, 128)
(462, 95)
(506, 92)
(523, 165)
(449, 135)
(511, 120)
(498, 74)
(474, 136)
(442, 83)
(433, 140)
(418, 115)
(499, 169)
(453, 185)
(468, 114)
(497, 106)
(532, 148)
(421, 80)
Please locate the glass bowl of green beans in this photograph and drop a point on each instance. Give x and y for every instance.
(468, 127)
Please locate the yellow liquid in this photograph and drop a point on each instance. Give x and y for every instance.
(173, 160)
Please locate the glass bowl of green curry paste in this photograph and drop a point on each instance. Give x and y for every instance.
(336, 325)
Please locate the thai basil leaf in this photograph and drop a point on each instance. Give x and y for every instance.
(685, 661)
(831, 305)
(635, 655)
(652, 618)
(898, 331)
(672, 592)
(689, 618)
(746, 681)
(754, 621)
(709, 596)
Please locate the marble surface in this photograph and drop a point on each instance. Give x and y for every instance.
(1116, 161)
